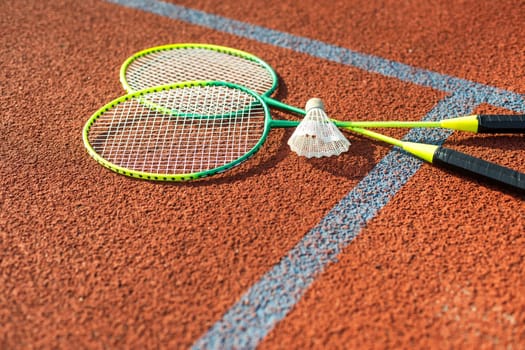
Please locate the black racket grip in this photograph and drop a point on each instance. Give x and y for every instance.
(507, 124)
(454, 160)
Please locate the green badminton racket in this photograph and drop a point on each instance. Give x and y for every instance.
(207, 127)
(186, 62)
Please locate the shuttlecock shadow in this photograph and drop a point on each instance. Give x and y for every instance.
(353, 164)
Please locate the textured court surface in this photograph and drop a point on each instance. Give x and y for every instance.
(368, 250)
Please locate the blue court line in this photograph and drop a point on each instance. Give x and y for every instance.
(269, 300)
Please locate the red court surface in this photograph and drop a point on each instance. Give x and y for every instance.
(93, 259)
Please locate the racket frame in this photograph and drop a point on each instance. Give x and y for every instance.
(269, 123)
(217, 48)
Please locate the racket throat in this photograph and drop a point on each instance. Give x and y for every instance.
(283, 123)
(283, 107)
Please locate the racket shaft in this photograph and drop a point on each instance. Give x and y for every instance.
(487, 124)
(501, 123)
(454, 160)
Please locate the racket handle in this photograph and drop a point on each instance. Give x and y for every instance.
(507, 124)
(454, 160)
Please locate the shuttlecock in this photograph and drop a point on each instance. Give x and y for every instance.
(316, 135)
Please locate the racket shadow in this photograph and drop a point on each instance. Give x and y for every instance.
(480, 183)
(500, 142)
(352, 165)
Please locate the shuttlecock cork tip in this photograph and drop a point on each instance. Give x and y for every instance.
(314, 102)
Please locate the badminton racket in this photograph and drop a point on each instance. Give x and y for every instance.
(168, 64)
(207, 127)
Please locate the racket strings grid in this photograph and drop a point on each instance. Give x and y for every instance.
(183, 130)
(165, 66)
(316, 135)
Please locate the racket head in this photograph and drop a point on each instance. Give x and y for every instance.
(178, 132)
(174, 63)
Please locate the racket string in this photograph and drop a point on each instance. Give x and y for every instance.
(168, 66)
(215, 128)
